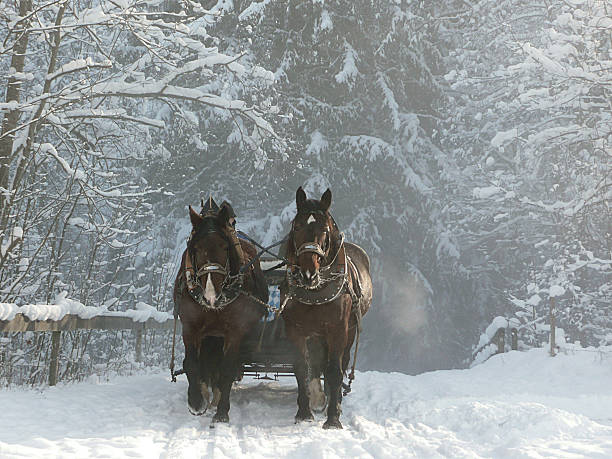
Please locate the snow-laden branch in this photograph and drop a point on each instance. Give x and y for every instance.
(349, 71)
(389, 99)
(154, 89)
(376, 149)
(117, 114)
(51, 151)
(78, 65)
(602, 190)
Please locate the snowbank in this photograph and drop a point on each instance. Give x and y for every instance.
(516, 405)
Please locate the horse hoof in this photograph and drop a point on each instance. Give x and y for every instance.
(221, 418)
(304, 417)
(197, 412)
(198, 399)
(332, 424)
(318, 399)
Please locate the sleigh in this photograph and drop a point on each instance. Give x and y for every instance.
(266, 352)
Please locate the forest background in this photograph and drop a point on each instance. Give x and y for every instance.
(468, 146)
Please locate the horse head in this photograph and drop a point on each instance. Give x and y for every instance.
(314, 236)
(212, 249)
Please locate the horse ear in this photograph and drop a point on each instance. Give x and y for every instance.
(213, 205)
(209, 206)
(300, 198)
(226, 215)
(195, 217)
(326, 200)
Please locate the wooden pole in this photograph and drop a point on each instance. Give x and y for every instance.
(139, 344)
(552, 327)
(55, 347)
(501, 340)
(514, 334)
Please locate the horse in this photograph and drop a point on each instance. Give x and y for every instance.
(220, 293)
(327, 290)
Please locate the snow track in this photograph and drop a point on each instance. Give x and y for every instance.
(515, 405)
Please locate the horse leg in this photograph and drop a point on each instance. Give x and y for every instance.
(333, 376)
(229, 369)
(317, 357)
(302, 376)
(211, 354)
(217, 361)
(347, 350)
(191, 365)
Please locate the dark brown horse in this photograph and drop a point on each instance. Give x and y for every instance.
(216, 304)
(328, 290)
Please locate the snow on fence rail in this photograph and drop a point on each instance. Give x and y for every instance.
(493, 340)
(68, 315)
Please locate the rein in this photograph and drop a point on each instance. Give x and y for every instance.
(263, 250)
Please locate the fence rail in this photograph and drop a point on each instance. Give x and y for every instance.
(70, 322)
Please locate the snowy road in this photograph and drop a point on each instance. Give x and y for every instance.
(515, 405)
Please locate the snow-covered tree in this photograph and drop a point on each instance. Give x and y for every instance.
(89, 89)
(532, 131)
(357, 82)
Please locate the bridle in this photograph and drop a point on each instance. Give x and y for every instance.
(325, 275)
(309, 247)
(232, 283)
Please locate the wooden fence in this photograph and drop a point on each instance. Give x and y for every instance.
(21, 323)
(499, 339)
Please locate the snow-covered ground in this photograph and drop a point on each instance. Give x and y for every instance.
(519, 404)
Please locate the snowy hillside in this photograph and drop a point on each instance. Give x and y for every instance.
(514, 405)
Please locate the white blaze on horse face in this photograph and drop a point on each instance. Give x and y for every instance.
(209, 292)
(311, 219)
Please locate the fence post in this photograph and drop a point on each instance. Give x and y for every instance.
(139, 331)
(552, 326)
(500, 340)
(514, 335)
(55, 347)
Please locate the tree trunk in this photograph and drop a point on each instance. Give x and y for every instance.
(552, 327)
(11, 118)
(23, 151)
